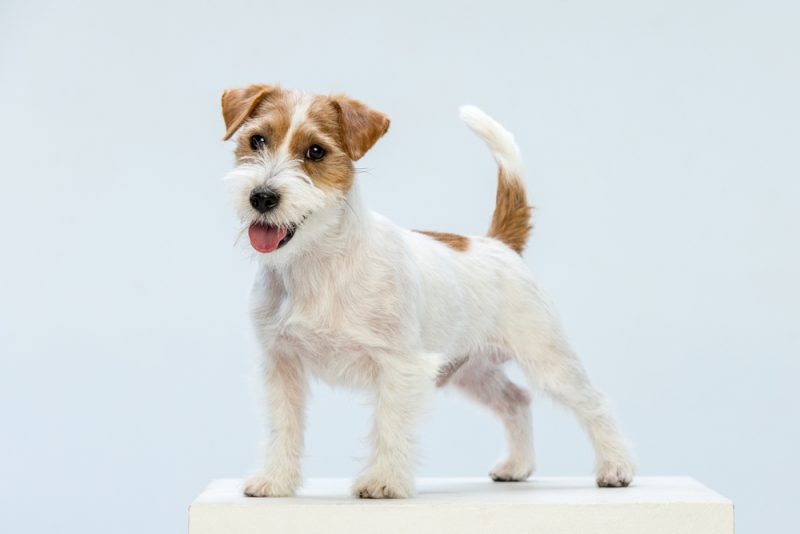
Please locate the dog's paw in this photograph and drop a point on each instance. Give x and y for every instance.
(511, 471)
(375, 487)
(265, 485)
(614, 474)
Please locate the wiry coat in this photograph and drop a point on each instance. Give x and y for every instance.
(355, 300)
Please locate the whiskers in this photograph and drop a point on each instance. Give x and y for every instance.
(354, 212)
(240, 233)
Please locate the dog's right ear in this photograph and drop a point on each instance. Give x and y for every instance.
(239, 104)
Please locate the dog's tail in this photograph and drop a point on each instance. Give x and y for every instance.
(511, 221)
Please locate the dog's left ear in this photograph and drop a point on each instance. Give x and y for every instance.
(239, 104)
(361, 126)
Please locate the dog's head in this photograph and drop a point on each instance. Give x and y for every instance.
(294, 162)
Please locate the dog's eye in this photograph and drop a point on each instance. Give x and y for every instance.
(257, 142)
(315, 153)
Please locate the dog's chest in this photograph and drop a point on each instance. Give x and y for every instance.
(336, 321)
(332, 345)
(335, 356)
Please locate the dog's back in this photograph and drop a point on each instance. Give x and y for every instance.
(469, 284)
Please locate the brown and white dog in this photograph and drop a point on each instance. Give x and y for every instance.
(345, 295)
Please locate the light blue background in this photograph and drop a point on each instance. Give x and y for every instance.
(661, 142)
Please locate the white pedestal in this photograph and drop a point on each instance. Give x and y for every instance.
(652, 505)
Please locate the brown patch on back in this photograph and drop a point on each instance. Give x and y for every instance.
(454, 241)
(511, 221)
(271, 119)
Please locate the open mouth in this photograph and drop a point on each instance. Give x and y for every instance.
(266, 238)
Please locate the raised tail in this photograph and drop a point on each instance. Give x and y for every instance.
(511, 221)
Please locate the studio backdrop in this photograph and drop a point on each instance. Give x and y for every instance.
(660, 145)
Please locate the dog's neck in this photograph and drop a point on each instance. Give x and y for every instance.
(336, 257)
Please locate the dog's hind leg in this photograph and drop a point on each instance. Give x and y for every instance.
(553, 368)
(489, 385)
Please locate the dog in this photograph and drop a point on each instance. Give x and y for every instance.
(344, 295)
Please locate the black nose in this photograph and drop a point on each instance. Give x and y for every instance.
(264, 199)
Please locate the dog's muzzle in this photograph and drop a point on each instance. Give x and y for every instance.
(264, 199)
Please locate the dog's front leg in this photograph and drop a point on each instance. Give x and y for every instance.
(402, 391)
(286, 386)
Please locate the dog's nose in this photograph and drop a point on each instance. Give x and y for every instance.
(264, 200)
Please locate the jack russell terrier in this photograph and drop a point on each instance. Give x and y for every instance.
(345, 295)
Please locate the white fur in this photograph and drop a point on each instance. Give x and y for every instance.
(500, 141)
(299, 115)
(357, 301)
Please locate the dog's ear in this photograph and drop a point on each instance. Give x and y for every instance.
(361, 126)
(239, 104)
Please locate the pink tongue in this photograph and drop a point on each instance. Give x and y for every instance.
(265, 238)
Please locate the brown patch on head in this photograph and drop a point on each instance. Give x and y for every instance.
(361, 126)
(454, 241)
(293, 122)
(271, 120)
(322, 128)
(239, 104)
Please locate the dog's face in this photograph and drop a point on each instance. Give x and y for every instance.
(294, 163)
